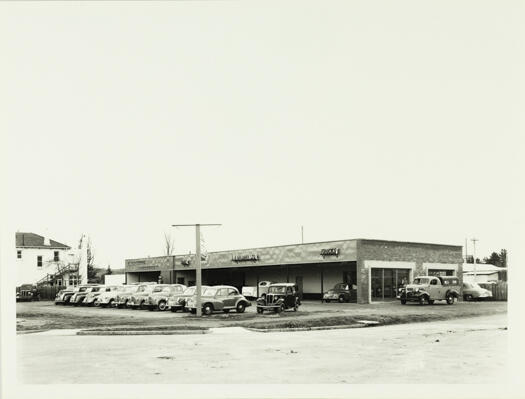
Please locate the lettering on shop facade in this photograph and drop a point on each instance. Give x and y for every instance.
(136, 262)
(330, 252)
(245, 258)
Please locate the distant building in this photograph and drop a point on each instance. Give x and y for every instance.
(485, 273)
(40, 260)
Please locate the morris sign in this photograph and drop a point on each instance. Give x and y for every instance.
(245, 258)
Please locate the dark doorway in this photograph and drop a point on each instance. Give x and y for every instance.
(299, 282)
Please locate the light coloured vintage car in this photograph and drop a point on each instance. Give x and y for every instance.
(124, 294)
(158, 299)
(107, 298)
(428, 289)
(178, 302)
(91, 296)
(472, 291)
(64, 296)
(138, 299)
(219, 298)
(78, 297)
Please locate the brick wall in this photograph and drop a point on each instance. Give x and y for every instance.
(394, 251)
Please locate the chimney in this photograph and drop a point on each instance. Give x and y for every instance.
(46, 241)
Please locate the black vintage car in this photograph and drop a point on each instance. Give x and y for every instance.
(280, 297)
(27, 292)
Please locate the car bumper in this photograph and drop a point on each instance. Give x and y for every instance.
(330, 296)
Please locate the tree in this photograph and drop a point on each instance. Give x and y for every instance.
(497, 259)
(92, 274)
(503, 257)
(108, 270)
(494, 259)
(168, 244)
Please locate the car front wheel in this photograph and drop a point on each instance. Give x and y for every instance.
(341, 299)
(450, 299)
(467, 297)
(162, 305)
(207, 309)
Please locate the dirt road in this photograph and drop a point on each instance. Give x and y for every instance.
(45, 315)
(470, 350)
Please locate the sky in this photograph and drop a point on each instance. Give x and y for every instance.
(389, 120)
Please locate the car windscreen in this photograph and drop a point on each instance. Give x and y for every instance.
(190, 290)
(277, 290)
(420, 281)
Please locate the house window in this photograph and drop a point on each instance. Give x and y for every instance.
(39, 261)
(19, 254)
(56, 258)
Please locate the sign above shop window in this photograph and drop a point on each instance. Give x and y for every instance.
(245, 258)
(330, 252)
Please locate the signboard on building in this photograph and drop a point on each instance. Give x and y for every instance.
(245, 258)
(330, 252)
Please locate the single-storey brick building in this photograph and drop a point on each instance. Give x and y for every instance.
(374, 268)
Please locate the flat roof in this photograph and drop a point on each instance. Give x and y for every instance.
(375, 241)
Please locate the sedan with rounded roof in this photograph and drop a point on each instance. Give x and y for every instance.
(178, 302)
(219, 298)
(159, 297)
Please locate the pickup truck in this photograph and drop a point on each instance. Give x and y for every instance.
(251, 291)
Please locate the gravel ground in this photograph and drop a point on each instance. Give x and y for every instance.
(45, 315)
(466, 350)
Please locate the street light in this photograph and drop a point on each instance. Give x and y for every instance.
(198, 279)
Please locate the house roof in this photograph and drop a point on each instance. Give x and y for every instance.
(481, 273)
(482, 268)
(32, 240)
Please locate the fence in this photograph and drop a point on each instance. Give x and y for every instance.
(49, 292)
(499, 290)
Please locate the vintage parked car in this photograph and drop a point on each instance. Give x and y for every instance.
(217, 298)
(280, 297)
(107, 297)
(251, 291)
(158, 299)
(78, 297)
(178, 302)
(340, 293)
(472, 291)
(64, 296)
(427, 289)
(124, 294)
(27, 292)
(91, 296)
(138, 299)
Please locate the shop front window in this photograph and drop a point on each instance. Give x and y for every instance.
(385, 283)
